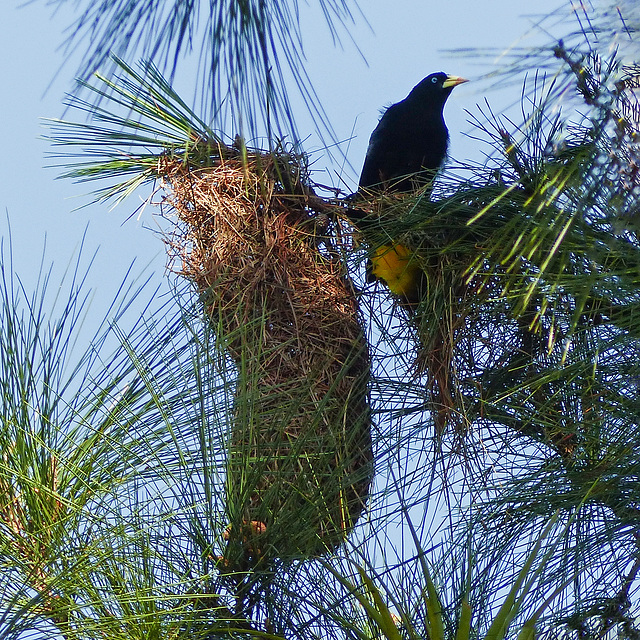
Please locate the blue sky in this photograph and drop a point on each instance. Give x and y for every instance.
(402, 42)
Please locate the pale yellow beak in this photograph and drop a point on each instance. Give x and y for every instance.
(453, 81)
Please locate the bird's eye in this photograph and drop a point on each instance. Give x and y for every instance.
(434, 80)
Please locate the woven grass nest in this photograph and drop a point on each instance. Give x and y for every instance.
(299, 455)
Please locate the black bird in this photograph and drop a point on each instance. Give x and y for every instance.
(405, 151)
(410, 142)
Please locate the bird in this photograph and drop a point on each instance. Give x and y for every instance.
(405, 151)
(411, 139)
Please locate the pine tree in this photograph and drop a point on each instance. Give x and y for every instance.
(215, 476)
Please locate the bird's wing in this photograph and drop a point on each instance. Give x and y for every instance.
(371, 169)
(382, 152)
(404, 143)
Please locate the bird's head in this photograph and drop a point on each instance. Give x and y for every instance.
(435, 88)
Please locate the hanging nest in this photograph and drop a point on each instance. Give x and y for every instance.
(299, 454)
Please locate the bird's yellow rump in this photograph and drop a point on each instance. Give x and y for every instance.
(396, 265)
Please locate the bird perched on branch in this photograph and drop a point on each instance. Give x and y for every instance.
(405, 151)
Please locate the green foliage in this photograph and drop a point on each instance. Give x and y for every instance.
(249, 53)
(89, 443)
(394, 626)
(145, 122)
